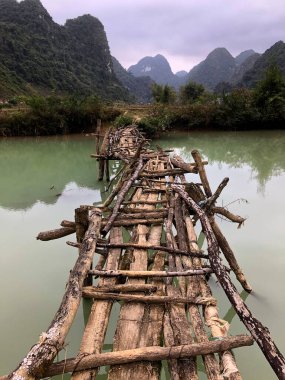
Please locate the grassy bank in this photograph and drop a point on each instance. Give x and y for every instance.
(37, 115)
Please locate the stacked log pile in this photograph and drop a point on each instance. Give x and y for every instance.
(150, 262)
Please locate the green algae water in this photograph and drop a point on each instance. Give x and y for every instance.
(42, 181)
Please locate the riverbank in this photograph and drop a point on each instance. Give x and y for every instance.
(43, 116)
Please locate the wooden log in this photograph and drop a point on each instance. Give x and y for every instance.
(42, 354)
(145, 202)
(201, 170)
(69, 224)
(152, 326)
(130, 331)
(72, 244)
(260, 333)
(179, 163)
(199, 286)
(155, 248)
(137, 210)
(102, 161)
(125, 188)
(96, 327)
(229, 215)
(154, 353)
(98, 130)
(131, 222)
(194, 285)
(81, 225)
(55, 234)
(89, 292)
(126, 288)
(229, 255)
(142, 215)
(162, 173)
(143, 274)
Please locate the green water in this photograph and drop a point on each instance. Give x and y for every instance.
(42, 180)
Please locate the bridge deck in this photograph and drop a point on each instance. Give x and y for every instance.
(151, 263)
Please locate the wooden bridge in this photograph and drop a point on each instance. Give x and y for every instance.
(150, 262)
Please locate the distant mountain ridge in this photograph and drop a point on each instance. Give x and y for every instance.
(39, 56)
(138, 87)
(219, 66)
(158, 69)
(275, 55)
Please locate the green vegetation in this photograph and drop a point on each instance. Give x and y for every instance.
(52, 115)
(38, 56)
(163, 94)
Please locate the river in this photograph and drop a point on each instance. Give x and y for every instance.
(44, 179)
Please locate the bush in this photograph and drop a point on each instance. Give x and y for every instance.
(123, 121)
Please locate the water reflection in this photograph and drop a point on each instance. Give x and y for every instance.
(41, 169)
(262, 151)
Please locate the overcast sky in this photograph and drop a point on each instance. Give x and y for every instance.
(184, 31)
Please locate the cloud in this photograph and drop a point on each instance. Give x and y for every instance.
(185, 31)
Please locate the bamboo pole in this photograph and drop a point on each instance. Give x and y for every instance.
(42, 354)
(260, 333)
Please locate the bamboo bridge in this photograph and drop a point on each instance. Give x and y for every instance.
(148, 260)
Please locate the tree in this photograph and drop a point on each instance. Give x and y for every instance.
(269, 96)
(191, 92)
(163, 94)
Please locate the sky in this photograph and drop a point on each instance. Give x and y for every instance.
(184, 31)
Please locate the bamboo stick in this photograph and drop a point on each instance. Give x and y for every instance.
(51, 342)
